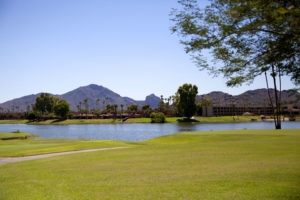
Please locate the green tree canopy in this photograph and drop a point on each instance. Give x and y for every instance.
(45, 103)
(245, 38)
(62, 108)
(187, 98)
(132, 108)
(145, 107)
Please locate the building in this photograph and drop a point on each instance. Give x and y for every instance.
(209, 111)
(291, 109)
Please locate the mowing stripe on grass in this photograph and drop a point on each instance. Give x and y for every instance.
(18, 159)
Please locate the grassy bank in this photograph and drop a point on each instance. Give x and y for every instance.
(223, 119)
(17, 148)
(13, 121)
(9, 136)
(243, 164)
(227, 119)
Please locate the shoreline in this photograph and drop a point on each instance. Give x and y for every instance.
(200, 120)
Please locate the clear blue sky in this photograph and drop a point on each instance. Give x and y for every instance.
(127, 46)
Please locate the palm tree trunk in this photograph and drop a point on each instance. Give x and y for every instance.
(271, 100)
(277, 103)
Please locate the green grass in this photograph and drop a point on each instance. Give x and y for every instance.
(14, 121)
(223, 119)
(18, 148)
(227, 119)
(213, 165)
(15, 136)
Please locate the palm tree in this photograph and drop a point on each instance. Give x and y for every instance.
(13, 108)
(26, 104)
(106, 99)
(122, 105)
(80, 103)
(86, 106)
(97, 104)
(17, 109)
(103, 102)
(232, 101)
(115, 107)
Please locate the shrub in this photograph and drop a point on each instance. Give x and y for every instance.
(158, 117)
(17, 131)
(32, 115)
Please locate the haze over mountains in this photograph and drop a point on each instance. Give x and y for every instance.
(92, 92)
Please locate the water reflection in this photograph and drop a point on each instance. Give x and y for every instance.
(131, 132)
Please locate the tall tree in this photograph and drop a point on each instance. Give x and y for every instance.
(204, 103)
(45, 103)
(246, 39)
(80, 104)
(122, 107)
(146, 110)
(86, 104)
(187, 98)
(97, 103)
(62, 108)
(133, 108)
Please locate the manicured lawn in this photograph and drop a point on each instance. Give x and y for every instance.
(243, 164)
(223, 119)
(227, 119)
(13, 121)
(4, 136)
(15, 148)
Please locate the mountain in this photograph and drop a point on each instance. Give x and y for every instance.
(258, 97)
(91, 92)
(152, 100)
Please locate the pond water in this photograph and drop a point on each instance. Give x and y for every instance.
(131, 132)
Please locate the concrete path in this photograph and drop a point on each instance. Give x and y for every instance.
(5, 160)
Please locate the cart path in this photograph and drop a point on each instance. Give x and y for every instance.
(5, 160)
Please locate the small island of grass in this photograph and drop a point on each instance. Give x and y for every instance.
(15, 136)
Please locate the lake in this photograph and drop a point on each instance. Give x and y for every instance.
(131, 132)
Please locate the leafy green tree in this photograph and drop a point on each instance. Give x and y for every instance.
(187, 98)
(45, 103)
(146, 110)
(145, 107)
(33, 115)
(133, 108)
(246, 39)
(62, 108)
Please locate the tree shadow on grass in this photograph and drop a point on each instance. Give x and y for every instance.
(58, 120)
(185, 120)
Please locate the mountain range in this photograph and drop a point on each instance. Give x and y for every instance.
(91, 92)
(258, 97)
